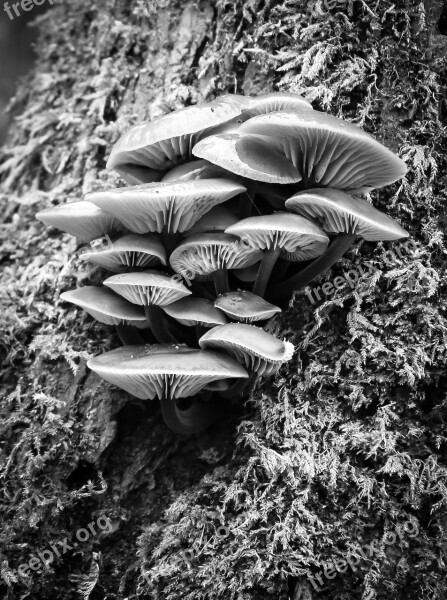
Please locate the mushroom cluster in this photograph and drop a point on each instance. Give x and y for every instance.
(229, 206)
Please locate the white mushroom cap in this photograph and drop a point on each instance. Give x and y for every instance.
(147, 288)
(129, 252)
(339, 213)
(275, 101)
(246, 307)
(298, 238)
(196, 169)
(195, 311)
(332, 152)
(260, 351)
(168, 140)
(106, 307)
(170, 207)
(164, 371)
(201, 255)
(247, 156)
(82, 219)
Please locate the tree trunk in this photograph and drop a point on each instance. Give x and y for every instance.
(345, 445)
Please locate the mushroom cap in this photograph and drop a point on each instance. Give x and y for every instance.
(274, 102)
(248, 156)
(298, 238)
(170, 207)
(82, 219)
(340, 213)
(129, 252)
(217, 219)
(136, 174)
(245, 307)
(196, 169)
(248, 274)
(330, 151)
(165, 371)
(167, 140)
(201, 255)
(260, 351)
(196, 311)
(147, 288)
(106, 307)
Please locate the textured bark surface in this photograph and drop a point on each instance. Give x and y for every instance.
(346, 444)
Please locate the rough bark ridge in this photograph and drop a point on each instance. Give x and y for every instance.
(346, 445)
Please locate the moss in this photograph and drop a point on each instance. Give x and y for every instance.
(344, 445)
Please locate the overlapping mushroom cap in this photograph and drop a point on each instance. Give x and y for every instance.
(245, 307)
(248, 156)
(196, 169)
(260, 351)
(129, 252)
(339, 213)
(196, 311)
(106, 307)
(82, 219)
(216, 220)
(168, 140)
(147, 288)
(201, 255)
(298, 238)
(170, 207)
(326, 150)
(164, 371)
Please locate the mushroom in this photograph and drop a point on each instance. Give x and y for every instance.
(326, 151)
(129, 252)
(166, 208)
(151, 290)
(196, 312)
(258, 350)
(108, 308)
(82, 219)
(169, 373)
(345, 216)
(168, 140)
(293, 237)
(245, 307)
(212, 254)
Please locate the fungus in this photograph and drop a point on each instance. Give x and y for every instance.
(293, 237)
(325, 150)
(129, 252)
(136, 174)
(245, 307)
(274, 102)
(195, 169)
(166, 208)
(345, 216)
(258, 350)
(151, 290)
(167, 141)
(108, 308)
(210, 255)
(217, 219)
(169, 373)
(195, 311)
(82, 219)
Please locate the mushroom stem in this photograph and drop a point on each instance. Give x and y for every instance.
(196, 418)
(247, 200)
(221, 281)
(265, 270)
(129, 336)
(157, 321)
(333, 253)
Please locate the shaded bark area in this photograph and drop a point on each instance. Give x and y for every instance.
(346, 444)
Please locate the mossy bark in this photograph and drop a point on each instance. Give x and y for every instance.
(346, 444)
